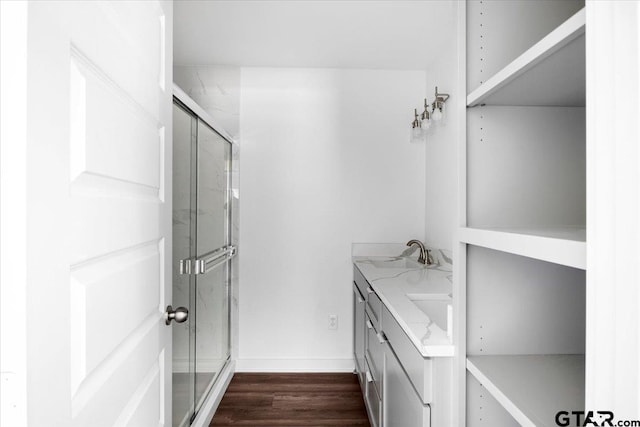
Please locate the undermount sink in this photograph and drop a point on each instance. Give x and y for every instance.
(397, 263)
(435, 306)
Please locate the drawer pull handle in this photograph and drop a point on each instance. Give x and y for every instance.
(370, 290)
(360, 300)
(381, 338)
(369, 377)
(369, 325)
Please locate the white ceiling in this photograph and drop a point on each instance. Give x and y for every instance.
(335, 34)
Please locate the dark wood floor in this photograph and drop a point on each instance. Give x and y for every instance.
(292, 400)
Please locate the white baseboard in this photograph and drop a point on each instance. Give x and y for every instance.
(295, 365)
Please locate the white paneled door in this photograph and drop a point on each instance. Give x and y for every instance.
(99, 99)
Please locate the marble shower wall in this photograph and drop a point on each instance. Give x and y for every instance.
(216, 89)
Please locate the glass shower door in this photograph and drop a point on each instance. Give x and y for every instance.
(184, 223)
(201, 254)
(212, 287)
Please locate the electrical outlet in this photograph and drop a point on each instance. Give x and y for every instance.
(333, 321)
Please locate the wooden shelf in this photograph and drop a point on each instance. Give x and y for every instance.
(565, 246)
(551, 73)
(532, 388)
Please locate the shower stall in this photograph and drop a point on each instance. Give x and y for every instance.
(202, 253)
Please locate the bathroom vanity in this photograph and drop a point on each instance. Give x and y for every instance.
(403, 348)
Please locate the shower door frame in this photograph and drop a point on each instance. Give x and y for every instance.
(203, 414)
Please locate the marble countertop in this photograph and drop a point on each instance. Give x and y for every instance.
(419, 297)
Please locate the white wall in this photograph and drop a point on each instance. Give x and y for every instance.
(441, 178)
(325, 162)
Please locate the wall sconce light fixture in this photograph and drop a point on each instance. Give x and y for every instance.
(432, 113)
(438, 105)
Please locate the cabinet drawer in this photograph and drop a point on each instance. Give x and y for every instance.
(375, 320)
(402, 406)
(360, 281)
(373, 302)
(418, 368)
(374, 306)
(375, 354)
(374, 404)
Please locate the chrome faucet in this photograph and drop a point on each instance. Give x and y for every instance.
(425, 254)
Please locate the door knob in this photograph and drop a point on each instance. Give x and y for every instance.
(180, 314)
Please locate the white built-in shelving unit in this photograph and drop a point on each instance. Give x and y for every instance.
(522, 237)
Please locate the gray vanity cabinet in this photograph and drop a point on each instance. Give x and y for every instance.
(395, 378)
(368, 351)
(359, 334)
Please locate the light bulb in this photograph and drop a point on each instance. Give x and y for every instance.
(437, 114)
(416, 132)
(425, 124)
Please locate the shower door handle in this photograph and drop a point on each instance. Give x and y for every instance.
(180, 314)
(184, 266)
